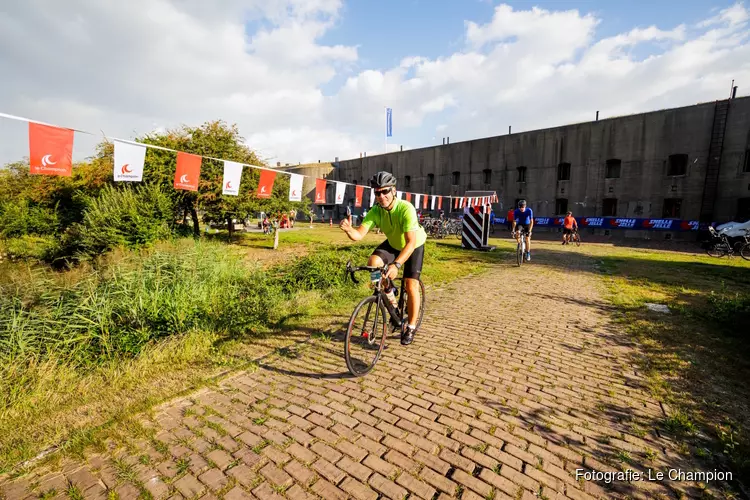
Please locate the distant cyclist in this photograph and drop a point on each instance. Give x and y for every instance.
(569, 224)
(405, 243)
(523, 219)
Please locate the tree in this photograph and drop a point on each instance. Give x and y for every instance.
(217, 140)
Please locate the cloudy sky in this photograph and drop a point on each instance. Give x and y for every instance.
(308, 80)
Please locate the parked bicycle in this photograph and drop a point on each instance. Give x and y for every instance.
(575, 237)
(371, 319)
(721, 245)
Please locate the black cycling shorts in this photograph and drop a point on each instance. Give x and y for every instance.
(412, 267)
(524, 228)
(567, 231)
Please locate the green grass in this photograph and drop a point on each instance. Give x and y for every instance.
(696, 359)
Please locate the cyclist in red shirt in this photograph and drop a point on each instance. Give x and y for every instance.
(568, 224)
(509, 219)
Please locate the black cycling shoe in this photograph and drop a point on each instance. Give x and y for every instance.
(407, 336)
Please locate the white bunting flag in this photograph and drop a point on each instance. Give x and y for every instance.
(372, 197)
(398, 194)
(232, 176)
(129, 160)
(340, 187)
(295, 187)
(433, 203)
(416, 200)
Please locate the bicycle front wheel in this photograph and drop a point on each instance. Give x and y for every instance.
(716, 251)
(578, 241)
(745, 251)
(519, 254)
(365, 336)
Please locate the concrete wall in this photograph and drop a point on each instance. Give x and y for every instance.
(642, 142)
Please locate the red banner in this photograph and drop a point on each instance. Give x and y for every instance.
(265, 184)
(50, 150)
(188, 172)
(320, 191)
(358, 191)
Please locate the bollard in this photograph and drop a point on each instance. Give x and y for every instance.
(331, 221)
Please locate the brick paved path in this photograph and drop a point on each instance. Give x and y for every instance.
(482, 405)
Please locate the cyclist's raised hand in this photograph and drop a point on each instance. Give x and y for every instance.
(345, 225)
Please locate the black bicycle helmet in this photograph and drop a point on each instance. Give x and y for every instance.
(382, 179)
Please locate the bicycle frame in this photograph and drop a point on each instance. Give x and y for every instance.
(396, 314)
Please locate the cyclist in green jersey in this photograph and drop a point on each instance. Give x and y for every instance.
(404, 246)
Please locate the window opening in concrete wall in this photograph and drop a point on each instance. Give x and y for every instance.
(487, 176)
(743, 209)
(677, 164)
(563, 172)
(407, 182)
(672, 208)
(561, 206)
(456, 178)
(521, 174)
(613, 169)
(430, 180)
(609, 208)
(746, 166)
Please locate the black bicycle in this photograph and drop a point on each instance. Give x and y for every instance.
(369, 323)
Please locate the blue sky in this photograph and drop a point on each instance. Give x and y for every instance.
(308, 80)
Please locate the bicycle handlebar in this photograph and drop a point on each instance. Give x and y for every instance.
(350, 270)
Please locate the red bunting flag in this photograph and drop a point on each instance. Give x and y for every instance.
(424, 201)
(265, 184)
(408, 196)
(440, 202)
(188, 172)
(50, 150)
(358, 191)
(320, 191)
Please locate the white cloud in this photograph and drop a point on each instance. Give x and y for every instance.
(130, 67)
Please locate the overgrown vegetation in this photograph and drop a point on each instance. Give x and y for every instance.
(696, 357)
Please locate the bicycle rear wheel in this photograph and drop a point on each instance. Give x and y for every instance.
(717, 250)
(578, 240)
(365, 336)
(421, 302)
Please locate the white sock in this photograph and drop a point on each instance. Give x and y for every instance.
(413, 327)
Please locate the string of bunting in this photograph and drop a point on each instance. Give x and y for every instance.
(51, 153)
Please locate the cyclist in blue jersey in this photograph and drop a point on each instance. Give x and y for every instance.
(523, 219)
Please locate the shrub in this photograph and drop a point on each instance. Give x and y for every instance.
(19, 218)
(33, 247)
(128, 217)
(731, 311)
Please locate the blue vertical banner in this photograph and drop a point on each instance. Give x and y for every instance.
(388, 122)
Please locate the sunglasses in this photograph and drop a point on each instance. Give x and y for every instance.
(382, 192)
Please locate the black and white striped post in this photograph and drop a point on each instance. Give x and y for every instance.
(476, 229)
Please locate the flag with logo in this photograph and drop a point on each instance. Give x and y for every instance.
(50, 150)
(232, 177)
(372, 197)
(129, 161)
(389, 122)
(265, 184)
(320, 191)
(340, 189)
(188, 171)
(359, 191)
(295, 187)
